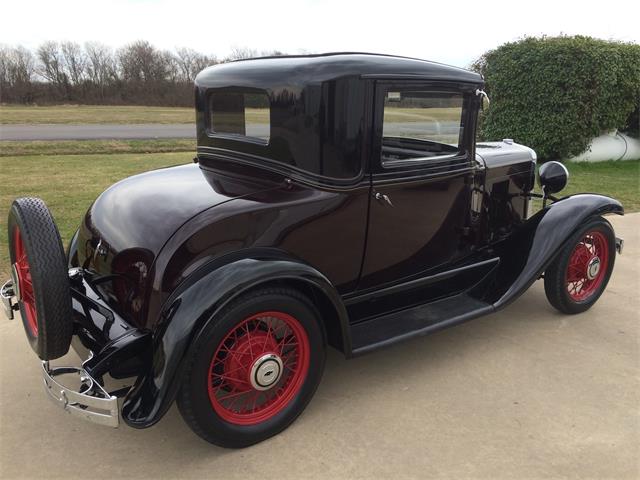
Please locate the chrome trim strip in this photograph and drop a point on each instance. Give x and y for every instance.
(92, 403)
(420, 161)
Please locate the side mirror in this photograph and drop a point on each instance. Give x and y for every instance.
(553, 177)
(485, 99)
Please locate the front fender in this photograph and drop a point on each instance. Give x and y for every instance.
(188, 310)
(534, 247)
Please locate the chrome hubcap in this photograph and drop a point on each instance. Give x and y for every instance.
(266, 371)
(593, 268)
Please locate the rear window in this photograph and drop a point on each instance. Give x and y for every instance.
(242, 115)
(315, 130)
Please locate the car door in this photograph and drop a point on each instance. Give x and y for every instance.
(422, 177)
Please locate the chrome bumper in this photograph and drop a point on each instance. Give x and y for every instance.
(7, 296)
(92, 402)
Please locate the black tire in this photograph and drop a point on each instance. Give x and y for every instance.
(48, 323)
(556, 277)
(194, 400)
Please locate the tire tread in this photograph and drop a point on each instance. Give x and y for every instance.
(47, 262)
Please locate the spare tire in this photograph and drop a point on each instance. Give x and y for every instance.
(40, 278)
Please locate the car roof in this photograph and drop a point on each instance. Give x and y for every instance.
(303, 69)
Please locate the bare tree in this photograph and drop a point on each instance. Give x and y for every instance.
(5, 67)
(24, 65)
(272, 53)
(191, 62)
(241, 53)
(138, 73)
(170, 66)
(101, 66)
(142, 62)
(75, 62)
(146, 73)
(201, 62)
(17, 68)
(51, 67)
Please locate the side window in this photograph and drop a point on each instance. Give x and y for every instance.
(240, 114)
(419, 125)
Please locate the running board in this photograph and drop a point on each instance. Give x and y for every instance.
(416, 321)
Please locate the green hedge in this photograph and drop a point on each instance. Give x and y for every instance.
(555, 94)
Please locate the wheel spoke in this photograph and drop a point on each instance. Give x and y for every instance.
(232, 379)
(27, 285)
(25, 282)
(256, 397)
(592, 247)
(232, 395)
(27, 296)
(235, 389)
(268, 336)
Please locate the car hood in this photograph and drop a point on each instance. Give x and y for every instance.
(504, 153)
(142, 212)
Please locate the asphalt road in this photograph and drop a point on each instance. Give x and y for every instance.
(151, 131)
(96, 132)
(524, 393)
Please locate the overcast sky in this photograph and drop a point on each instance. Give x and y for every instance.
(454, 32)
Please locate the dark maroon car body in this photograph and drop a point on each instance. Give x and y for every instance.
(385, 252)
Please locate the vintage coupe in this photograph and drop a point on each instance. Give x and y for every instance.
(336, 199)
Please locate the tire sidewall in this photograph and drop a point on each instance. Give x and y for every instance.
(214, 427)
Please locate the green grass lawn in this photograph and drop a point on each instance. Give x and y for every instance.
(10, 148)
(82, 114)
(428, 115)
(620, 180)
(69, 183)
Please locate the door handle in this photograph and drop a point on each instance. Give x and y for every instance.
(383, 199)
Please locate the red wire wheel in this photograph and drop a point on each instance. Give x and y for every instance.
(22, 274)
(253, 367)
(587, 266)
(258, 368)
(578, 275)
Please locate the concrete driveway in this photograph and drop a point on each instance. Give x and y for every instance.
(524, 393)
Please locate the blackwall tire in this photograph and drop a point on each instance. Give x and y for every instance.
(578, 276)
(235, 354)
(39, 269)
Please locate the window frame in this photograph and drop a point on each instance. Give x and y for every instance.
(420, 166)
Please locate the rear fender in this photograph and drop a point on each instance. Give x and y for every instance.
(195, 303)
(529, 251)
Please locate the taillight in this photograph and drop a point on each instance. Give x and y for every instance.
(130, 269)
